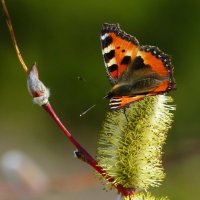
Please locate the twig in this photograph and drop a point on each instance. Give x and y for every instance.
(10, 27)
(38, 90)
(87, 157)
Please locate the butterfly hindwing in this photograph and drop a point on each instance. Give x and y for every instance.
(119, 49)
(161, 65)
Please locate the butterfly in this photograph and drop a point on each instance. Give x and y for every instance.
(134, 71)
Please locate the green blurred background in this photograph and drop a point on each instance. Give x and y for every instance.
(63, 38)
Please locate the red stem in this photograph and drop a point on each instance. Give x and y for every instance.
(89, 159)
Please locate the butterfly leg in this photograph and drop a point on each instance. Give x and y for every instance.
(124, 109)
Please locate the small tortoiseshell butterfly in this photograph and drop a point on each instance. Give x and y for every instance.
(134, 71)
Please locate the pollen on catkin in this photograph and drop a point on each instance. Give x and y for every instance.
(130, 143)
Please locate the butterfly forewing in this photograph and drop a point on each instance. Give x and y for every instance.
(119, 49)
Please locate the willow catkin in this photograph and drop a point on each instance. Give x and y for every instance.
(130, 143)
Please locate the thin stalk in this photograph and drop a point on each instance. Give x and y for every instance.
(89, 159)
(12, 33)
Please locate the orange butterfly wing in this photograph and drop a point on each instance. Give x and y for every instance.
(161, 65)
(118, 48)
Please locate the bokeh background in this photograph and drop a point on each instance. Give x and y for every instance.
(63, 38)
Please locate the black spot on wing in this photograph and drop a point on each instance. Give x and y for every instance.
(106, 42)
(108, 56)
(138, 63)
(126, 60)
(113, 67)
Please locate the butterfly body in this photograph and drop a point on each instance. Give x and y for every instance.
(134, 71)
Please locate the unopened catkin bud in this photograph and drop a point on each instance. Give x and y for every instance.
(36, 88)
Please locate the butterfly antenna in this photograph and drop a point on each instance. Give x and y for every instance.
(90, 108)
(83, 113)
(10, 27)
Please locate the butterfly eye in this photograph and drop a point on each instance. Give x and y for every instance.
(123, 50)
(118, 47)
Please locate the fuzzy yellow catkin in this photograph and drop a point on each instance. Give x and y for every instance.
(130, 144)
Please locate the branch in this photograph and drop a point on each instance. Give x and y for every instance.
(40, 96)
(10, 27)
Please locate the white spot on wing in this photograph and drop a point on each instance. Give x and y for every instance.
(108, 49)
(112, 62)
(104, 36)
